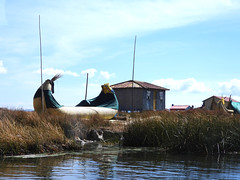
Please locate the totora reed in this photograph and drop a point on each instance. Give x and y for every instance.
(24, 132)
(194, 131)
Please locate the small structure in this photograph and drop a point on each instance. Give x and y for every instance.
(180, 107)
(139, 96)
(213, 102)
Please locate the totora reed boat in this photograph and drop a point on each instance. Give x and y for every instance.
(233, 107)
(105, 105)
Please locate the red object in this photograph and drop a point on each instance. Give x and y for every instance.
(180, 107)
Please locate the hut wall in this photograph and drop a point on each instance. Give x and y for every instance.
(160, 101)
(143, 99)
(126, 102)
(153, 100)
(208, 103)
(148, 99)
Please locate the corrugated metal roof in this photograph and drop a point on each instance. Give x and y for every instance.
(179, 107)
(137, 84)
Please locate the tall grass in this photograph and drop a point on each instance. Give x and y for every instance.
(27, 132)
(183, 132)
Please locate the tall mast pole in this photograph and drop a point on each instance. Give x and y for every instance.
(41, 65)
(133, 67)
(134, 57)
(86, 87)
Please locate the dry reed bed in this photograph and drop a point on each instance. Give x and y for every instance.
(182, 132)
(194, 131)
(26, 132)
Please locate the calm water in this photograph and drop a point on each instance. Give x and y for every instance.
(108, 162)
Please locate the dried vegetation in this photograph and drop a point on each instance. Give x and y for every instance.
(195, 131)
(28, 132)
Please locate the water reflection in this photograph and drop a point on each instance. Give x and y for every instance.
(110, 162)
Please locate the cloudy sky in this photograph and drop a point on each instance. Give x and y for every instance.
(188, 46)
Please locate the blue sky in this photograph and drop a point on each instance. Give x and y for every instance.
(188, 46)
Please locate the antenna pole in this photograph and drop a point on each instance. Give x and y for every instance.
(86, 87)
(41, 64)
(133, 67)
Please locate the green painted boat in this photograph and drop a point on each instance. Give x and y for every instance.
(105, 105)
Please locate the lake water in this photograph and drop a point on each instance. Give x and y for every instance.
(111, 162)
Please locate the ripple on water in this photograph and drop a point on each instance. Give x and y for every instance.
(108, 162)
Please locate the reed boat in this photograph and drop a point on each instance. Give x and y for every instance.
(234, 107)
(105, 105)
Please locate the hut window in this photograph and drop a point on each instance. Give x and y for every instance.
(148, 94)
(161, 95)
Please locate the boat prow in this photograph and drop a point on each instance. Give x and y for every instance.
(104, 106)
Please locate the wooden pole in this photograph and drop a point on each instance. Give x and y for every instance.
(86, 87)
(41, 65)
(134, 57)
(134, 50)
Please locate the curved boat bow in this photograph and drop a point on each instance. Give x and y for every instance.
(105, 105)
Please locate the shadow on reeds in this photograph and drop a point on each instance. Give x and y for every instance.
(24, 132)
(195, 131)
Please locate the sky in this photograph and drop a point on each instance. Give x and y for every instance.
(188, 46)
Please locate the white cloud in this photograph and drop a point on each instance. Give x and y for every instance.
(105, 18)
(189, 85)
(106, 75)
(70, 35)
(88, 21)
(90, 72)
(52, 71)
(71, 73)
(3, 70)
(231, 87)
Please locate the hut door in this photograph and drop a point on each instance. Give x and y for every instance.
(148, 100)
(154, 100)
